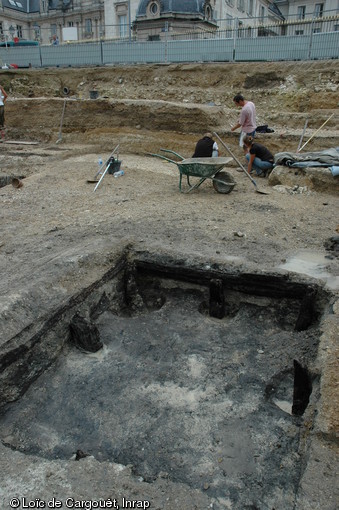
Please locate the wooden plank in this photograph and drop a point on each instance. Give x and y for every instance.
(19, 142)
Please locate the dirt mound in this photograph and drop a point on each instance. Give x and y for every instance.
(187, 99)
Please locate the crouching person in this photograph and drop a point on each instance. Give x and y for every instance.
(258, 156)
(206, 147)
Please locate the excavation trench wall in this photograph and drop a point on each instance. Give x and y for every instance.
(126, 119)
(173, 99)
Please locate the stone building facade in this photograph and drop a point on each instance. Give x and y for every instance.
(45, 20)
(57, 21)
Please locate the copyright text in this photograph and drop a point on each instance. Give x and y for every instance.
(27, 503)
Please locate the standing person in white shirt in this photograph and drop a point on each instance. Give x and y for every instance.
(247, 120)
(3, 97)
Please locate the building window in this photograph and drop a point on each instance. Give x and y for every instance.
(53, 29)
(70, 23)
(250, 7)
(19, 31)
(154, 37)
(208, 12)
(336, 28)
(262, 14)
(317, 30)
(44, 5)
(318, 10)
(1, 29)
(122, 25)
(299, 32)
(88, 26)
(241, 5)
(153, 8)
(229, 25)
(301, 11)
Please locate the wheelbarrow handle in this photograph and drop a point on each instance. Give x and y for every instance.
(162, 157)
(172, 152)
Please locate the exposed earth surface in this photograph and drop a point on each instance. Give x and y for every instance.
(60, 236)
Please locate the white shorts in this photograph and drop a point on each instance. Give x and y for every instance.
(241, 139)
(242, 136)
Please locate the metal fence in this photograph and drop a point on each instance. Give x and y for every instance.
(276, 42)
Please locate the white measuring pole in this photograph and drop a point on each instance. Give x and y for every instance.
(326, 121)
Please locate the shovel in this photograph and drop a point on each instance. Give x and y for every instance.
(242, 167)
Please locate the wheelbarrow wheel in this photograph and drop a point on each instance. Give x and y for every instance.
(227, 182)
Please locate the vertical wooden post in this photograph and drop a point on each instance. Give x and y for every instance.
(217, 299)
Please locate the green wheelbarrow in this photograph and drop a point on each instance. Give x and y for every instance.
(204, 168)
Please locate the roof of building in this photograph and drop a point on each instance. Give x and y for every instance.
(29, 6)
(173, 6)
(59, 4)
(22, 5)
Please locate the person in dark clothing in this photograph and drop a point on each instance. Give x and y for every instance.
(206, 147)
(3, 97)
(258, 156)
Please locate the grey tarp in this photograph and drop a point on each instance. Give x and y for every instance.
(328, 157)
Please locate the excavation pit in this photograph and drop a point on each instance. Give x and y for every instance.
(204, 378)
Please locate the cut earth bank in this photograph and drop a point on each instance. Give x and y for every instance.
(59, 237)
